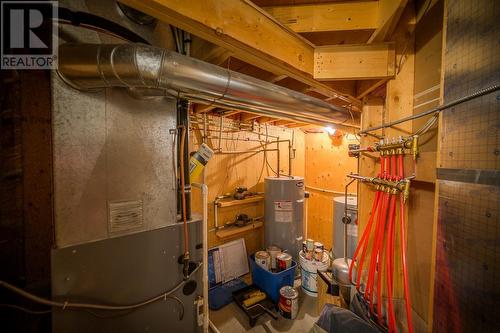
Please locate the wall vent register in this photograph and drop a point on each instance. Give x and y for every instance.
(125, 215)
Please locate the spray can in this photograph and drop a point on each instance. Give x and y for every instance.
(199, 160)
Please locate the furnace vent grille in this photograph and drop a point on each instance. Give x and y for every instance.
(124, 215)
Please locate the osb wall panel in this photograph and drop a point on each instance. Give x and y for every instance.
(224, 172)
(467, 246)
(327, 166)
(467, 260)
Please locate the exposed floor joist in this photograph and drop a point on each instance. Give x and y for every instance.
(366, 87)
(202, 108)
(327, 16)
(248, 32)
(348, 62)
(389, 12)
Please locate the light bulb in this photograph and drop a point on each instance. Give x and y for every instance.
(330, 131)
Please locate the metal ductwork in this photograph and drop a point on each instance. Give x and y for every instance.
(155, 71)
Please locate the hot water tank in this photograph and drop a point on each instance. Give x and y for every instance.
(284, 213)
(338, 226)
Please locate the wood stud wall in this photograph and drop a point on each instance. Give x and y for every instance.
(412, 65)
(225, 172)
(327, 165)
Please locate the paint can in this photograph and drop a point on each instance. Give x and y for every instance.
(288, 305)
(283, 261)
(263, 259)
(273, 251)
(318, 254)
(310, 244)
(318, 245)
(309, 254)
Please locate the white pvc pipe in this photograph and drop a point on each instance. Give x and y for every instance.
(204, 193)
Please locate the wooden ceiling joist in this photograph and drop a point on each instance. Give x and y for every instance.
(205, 51)
(354, 62)
(247, 32)
(231, 113)
(202, 108)
(389, 12)
(283, 122)
(265, 120)
(327, 16)
(297, 125)
(365, 87)
(249, 116)
(277, 78)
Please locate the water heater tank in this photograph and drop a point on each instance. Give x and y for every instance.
(284, 213)
(338, 226)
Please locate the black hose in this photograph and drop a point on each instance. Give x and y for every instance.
(183, 120)
(86, 20)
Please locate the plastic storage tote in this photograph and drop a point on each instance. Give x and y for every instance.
(270, 282)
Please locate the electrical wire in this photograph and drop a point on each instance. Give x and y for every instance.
(29, 311)
(67, 305)
(428, 125)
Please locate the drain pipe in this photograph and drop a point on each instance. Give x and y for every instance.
(204, 193)
(155, 71)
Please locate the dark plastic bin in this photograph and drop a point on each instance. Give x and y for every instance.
(270, 282)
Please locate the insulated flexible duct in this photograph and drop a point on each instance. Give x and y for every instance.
(150, 70)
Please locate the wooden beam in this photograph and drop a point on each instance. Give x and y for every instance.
(249, 116)
(265, 120)
(367, 86)
(328, 16)
(277, 78)
(231, 113)
(297, 125)
(344, 62)
(283, 122)
(209, 52)
(247, 31)
(389, 12)
(234, 24)
(202, 108)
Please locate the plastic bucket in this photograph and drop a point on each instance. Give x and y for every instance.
(309, 271)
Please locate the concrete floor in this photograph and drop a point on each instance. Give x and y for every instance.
(231, 319)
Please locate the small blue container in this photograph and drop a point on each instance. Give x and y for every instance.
(271, 282)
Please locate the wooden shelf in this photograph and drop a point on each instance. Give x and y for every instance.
(234, 202)
(234, 230)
